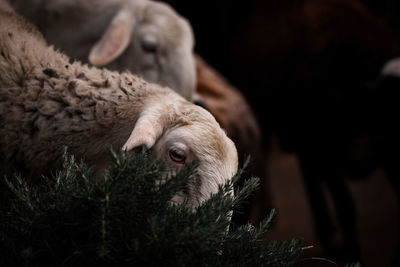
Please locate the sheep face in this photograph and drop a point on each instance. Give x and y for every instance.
(217, 159)
(159, 48)
(192, 134)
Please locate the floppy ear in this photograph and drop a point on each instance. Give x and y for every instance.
(114, 41)
(146, 132)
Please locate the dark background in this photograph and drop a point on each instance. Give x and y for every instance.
(310, 70)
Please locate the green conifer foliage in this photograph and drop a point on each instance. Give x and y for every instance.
(126, 218)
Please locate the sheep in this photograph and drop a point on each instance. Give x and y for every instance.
(48, 102)
(146, 37)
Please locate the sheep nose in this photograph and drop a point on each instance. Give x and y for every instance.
(149, 43)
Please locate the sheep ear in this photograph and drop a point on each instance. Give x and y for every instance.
(146, 132)
(114, 41)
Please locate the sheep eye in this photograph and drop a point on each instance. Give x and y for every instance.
(177, 156)
(149, 43)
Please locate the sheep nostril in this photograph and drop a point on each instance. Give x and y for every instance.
(149, 43)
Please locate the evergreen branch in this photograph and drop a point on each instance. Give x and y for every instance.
(127, 218)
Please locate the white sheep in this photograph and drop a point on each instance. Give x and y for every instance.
(47, 103)
(145, 37)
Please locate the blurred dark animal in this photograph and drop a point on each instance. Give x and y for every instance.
(307, 68)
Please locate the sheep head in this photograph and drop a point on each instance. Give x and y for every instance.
(149, 39)
(178, 133)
